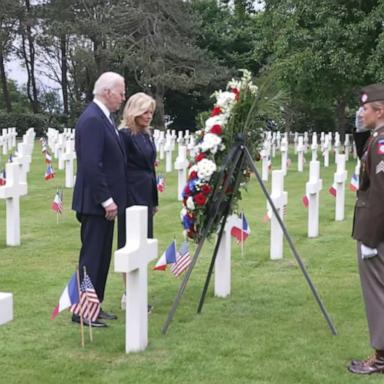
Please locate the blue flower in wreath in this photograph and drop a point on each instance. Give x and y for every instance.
(187, 222)
(192, 185)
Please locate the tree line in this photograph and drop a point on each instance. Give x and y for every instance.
(319, 53)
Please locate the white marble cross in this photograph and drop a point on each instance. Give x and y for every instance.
(265, 154)
(314, 146)
(11, 192)
(133, 260)
(28, 141)
(6, 307)
(180, 139)
(306, 140)
(68, 157)
(337, 145)
(325, 151)
(280, 199)
(9, 138)
(339, 181)
(161, 145)
(173, 139)
(23, 160)
(278, 140)
(273, 145)
(347, 147)
(300, 155)
(181, 165)
(295, 142)
(192, 148)
(5, 141)
(313, 188)
(223, 260)
(59, 151)
(168, 153)
(284, 154)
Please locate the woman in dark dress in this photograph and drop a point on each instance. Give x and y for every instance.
(141, 157)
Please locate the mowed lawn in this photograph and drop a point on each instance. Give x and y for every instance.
(270, 330)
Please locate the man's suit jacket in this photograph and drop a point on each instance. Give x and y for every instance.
(101, 164)
(141, 156)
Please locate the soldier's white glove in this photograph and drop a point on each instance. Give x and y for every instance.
(359, 124)
(367, 253)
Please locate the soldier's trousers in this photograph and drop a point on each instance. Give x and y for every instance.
(372, 283)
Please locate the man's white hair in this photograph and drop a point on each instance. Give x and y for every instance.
(107, 80)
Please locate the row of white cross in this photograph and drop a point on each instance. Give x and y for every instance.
(62, 145)
(15, 187)
(130, 258)
(8, 139)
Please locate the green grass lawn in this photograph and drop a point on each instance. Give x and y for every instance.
(270, 330)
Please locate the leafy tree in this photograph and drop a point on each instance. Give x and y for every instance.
(8, 25)
(321, 52)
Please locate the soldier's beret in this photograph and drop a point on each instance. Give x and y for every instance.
(371, 93)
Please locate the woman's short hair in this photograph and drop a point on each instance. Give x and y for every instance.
(136, 105)
(107, 80)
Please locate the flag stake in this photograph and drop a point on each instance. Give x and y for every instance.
(89, 313)
(242, 234)
(81, 318)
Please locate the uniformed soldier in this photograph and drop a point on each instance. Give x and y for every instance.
(368, 224)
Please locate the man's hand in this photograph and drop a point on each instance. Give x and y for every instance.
(111, 211)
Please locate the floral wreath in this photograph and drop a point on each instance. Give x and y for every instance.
(216, 135)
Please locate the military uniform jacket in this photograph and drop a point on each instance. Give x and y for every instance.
(368, 222)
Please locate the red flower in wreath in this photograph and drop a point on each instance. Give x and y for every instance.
(216, 129)
(193, 175)
(200, 199)
(236, 92)
(206, 189)
(187, 191)
(216, 111)
(199, 157)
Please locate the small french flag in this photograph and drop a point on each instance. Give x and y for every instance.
(305, 201)
(267, 216)
(354, 186)
(241, 229)
(3, 177)
(49, 174)
(168, 257)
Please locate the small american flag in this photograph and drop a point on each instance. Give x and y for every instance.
(89, 305)
(183, 260)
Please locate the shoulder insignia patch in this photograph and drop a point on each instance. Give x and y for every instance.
(380, 147)
(380, 167)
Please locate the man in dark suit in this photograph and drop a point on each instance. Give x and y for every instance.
(100, 191)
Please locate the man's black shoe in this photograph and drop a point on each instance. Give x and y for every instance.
(96, 323)
(106, 315)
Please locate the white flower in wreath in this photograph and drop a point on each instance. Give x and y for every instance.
(253, 88)
(210, 142)
(205, 169)
(225, 100)
(183, 212)
(219, 119)
(234, 84)
(190, 203)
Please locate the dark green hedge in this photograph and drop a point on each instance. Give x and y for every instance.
(23, 121)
